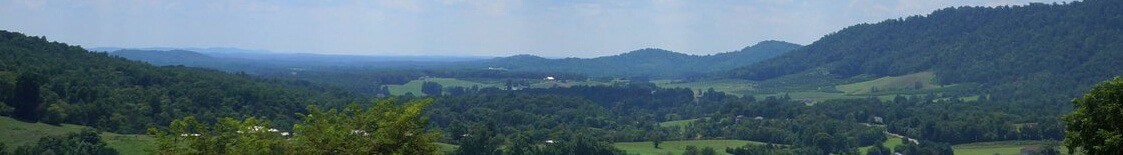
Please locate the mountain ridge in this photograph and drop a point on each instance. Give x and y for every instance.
(646, 62)
(1001, 48)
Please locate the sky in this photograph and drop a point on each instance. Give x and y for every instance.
(577, 28)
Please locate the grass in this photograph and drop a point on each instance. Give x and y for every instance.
(814, 96)
(415, 85)
(128, 143)
(16, 133)
(447, 148)
(678, 123)
(678, 147)
(731, 86)
(903, 82)
(889, 143)
(1002, 147)
(568, 83)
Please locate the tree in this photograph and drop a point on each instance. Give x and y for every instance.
(1096, 124)
(521, 145)
(480, 141)
(879, 149)
(692, 150)
(656, 138)
(86, 141)
(385, 128)
(709, 151)
(27, 102)
(431, 88)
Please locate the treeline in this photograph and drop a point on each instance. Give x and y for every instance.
(86, 141)
(386, 127)
(371, 81)
(57, 83)
(581, 118)
(787, 122)
(647, 63)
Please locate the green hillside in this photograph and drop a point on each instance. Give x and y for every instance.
(57, 83)
(17, 133)
(1059, 48)
(646, 62)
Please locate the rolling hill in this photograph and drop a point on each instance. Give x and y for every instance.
(1050, 50)
(54, 83)
(649, 62)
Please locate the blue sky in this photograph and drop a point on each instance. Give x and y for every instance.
(580, 28)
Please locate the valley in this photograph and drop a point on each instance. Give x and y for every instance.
(1031, 78)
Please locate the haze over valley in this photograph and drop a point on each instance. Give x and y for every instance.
(530, 77)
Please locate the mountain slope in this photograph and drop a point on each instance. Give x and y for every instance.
(57, 83)
(1017, 49)
(646, 62)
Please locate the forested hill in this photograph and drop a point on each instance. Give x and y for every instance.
(57, 83)
(646, 62)
(1031, 48)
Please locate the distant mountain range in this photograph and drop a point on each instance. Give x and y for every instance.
(225, 52)
(260, 61)
(651, 62)
(656, 63)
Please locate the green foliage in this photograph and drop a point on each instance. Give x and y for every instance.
(59, 83)
(1096, 125)
(772, 149)
(1026, 52)
(578, 143)
(879, 149)
(27, 101)
(385, 128)
(85, 142)
(480, 140)
(431, 88)
(925, 147)
(679, 146)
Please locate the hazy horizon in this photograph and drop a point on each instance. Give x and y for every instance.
(453, 27)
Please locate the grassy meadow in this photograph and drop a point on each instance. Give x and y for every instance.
(16, 133)
(678, 147)
(1000, 148)
(414, 86)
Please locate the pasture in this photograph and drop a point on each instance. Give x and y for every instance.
(17, 133)
(678, 123)
(889, 143)
(414, 86)
(678, 147)
(915, 81)
(1001, 148)
(732, 86)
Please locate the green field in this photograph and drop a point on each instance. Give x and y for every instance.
(732, 86)
(447, 148)
(569, 83)
(1002, 148)
(889, 143)
(903, 82)
(678, 147)
(18, 133)
(415, 85)
(678, 123)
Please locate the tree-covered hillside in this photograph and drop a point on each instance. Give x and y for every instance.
(1017, 50)
(646, 62)
(56, 83)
